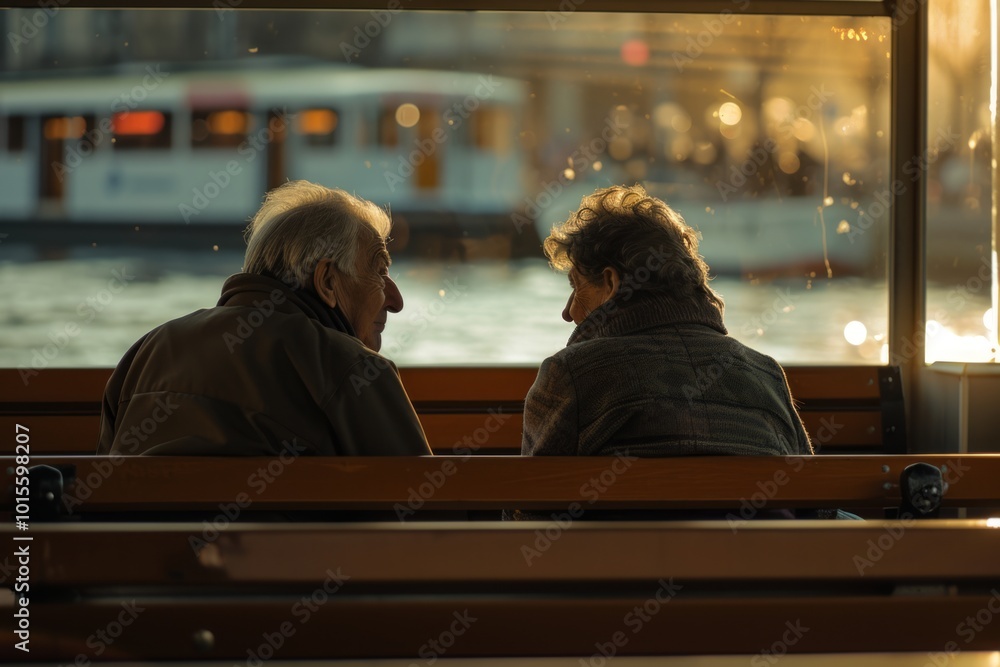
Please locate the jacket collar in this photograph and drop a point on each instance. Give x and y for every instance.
(252, 290)
(636, 311)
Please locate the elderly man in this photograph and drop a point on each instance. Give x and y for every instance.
(287, 360)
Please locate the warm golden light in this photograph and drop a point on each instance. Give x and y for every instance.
(228, 122)
(407, 115)
(730, 113)
(620, 148)
(138, 122)
(635, 52)
(788, 162)
(855, 333)
(65, 128)
(317, 121)
(852, 34)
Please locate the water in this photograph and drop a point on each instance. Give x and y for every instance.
(87, 308)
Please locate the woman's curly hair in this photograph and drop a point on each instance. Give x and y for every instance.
(644, 239)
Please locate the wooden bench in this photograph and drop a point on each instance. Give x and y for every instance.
(368, 591)
(846, 410)
(408, 484)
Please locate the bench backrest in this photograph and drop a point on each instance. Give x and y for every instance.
(846, 410)
(408, 484)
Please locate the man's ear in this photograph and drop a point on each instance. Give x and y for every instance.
(611, 280)
(324, 281)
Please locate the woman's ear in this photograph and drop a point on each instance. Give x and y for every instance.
(611, 280)
(324, 280)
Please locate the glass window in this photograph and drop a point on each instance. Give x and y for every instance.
(219, 128)
(769, 134)
(318, 126)
(141, 130)
(961, 324)
(15, 133)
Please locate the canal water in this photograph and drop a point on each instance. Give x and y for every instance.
(86, 307)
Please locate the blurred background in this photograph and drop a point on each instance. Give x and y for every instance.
(134, 146)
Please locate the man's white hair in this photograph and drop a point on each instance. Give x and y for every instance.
(301, 223)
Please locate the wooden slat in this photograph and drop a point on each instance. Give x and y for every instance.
(351, 627)
(55, 406)
(504, 482)
(448, 433)
(53, 385)
(471, 432)
(58, 434)
(493, 556)
(461, 384)
(810, 383)
(830, 429)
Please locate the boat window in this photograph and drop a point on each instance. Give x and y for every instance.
(771, 134)
(219, 128)
(318, 126)
(14, 130)
(141, 130)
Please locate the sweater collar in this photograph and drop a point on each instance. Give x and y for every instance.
(624, 315)
(252, 290)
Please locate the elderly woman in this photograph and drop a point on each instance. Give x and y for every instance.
(649, 369)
